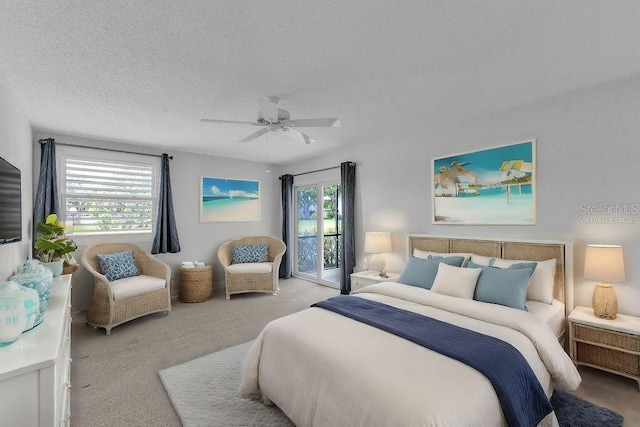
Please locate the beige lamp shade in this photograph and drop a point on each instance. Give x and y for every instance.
(376, 242)
(604, 263)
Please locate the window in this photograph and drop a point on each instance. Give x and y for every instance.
(107, 193)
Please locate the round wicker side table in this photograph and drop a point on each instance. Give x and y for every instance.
(195, 284)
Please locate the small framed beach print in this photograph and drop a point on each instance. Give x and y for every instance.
(229, 200)
(491, 186)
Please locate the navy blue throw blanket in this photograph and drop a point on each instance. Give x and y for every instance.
(523, 400)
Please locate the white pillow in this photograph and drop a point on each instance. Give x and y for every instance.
(419, 253)
(541, 282)
(481, 260)
(456, 281)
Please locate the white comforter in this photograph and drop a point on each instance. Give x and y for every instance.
(324, 369)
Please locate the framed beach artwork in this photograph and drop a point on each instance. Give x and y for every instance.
(229, 200)
(491, 186)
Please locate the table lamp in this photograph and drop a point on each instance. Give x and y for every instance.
(604, 263)
(377, 242)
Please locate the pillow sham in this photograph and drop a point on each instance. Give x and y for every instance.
(118, 265)
(541, 282)
(506, 287)
(456, 281)
(481, 260)
(257, 252)
(421, 272)
(426, 254)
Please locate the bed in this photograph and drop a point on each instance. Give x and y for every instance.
(323, 368)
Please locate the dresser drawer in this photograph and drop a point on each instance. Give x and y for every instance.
(610, 338)
(359, 282)
(607, 358)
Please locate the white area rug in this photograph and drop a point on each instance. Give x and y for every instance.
(205, 392)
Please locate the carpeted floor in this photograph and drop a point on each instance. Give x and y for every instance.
(115, 378)
(204, 393)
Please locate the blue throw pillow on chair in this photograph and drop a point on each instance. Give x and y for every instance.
(250, 253)
(118, 265)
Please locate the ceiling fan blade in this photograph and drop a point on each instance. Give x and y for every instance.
(307, 138)
(255, 135)
(268, 110)
(317, 123)
(234, 122)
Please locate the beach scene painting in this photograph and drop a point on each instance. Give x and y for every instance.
(492, 186)
(229, 200)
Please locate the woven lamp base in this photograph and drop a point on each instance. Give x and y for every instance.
(604, 301)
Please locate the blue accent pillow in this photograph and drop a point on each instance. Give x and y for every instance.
(504, 286)
(118, 265)
(422, 272)
(532, 265)
(249, 253)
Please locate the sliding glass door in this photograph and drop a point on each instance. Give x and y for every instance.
(318, 233)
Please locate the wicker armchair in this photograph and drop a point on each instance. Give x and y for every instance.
(252, 282)
(107, 312)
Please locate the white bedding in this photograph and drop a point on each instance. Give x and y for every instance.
(551, 314)
(324, 369)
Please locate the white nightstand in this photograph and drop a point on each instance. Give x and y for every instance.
(610, 345)
(365, 278)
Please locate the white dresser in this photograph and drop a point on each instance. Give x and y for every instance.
(34, 370)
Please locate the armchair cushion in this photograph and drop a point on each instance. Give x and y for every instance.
(251, 268)
(129, 287)
(117, 265)
(257, 252)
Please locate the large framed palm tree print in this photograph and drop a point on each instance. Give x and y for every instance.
(492, 186)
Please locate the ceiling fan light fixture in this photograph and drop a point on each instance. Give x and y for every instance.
(272, 119)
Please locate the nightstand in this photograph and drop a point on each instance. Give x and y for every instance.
(609, 345)
(365, 278)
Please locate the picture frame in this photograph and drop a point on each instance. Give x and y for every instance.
(493, 186)
(229, 200)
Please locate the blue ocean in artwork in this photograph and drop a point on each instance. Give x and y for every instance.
(229, 200)
(493, 186)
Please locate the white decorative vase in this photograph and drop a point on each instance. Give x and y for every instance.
(55, 267)
(33, 274)
(18, 311)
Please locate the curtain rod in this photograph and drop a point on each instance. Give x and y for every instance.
(106, 149)
(317, 170)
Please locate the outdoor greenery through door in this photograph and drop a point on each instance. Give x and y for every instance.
(319, 233)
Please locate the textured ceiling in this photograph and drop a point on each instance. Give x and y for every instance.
(147, 71)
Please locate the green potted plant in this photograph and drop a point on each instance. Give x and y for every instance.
(52, 246)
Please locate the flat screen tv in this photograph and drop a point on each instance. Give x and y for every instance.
(10, 203)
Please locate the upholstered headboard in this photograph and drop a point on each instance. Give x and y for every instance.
(532, 250)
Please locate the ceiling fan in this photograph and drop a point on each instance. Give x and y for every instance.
(272, 119)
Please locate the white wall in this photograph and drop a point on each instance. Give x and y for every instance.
(198, 241)
(16, 148)
(587, 155)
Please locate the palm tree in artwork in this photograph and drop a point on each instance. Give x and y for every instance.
(450, 175)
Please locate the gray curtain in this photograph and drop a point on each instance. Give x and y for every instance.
(348, 250)
(46, 197)
(286, 181)
(165, 233)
